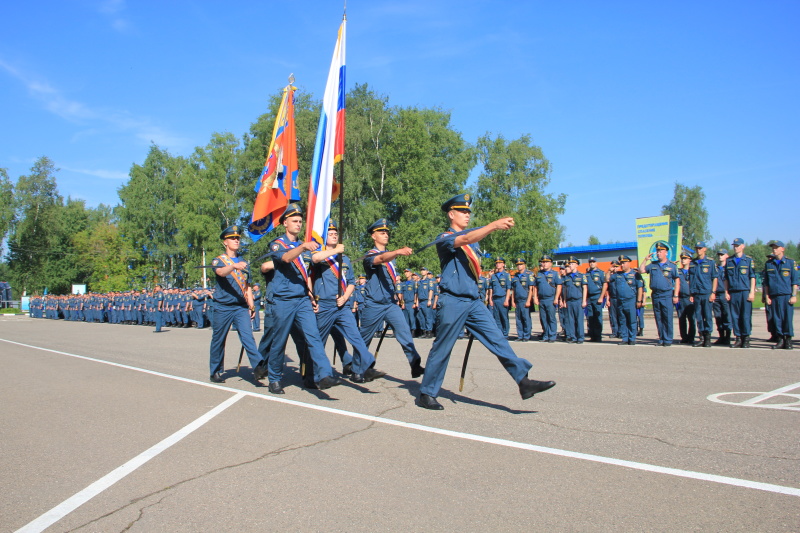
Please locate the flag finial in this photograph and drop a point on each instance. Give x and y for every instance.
(291, 78)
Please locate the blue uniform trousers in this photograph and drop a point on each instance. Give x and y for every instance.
(372, 318)
(573, 323)
(257, 319)
(426, 316)
(159, 320)
(340, 320)
(703, 313)
(722, 312)
(626, 319)
(547, 317)
(594, 317)
(662, 310)
(612, 319)
(782, 315)
(223, 318)
(686, 319)
(741, 313)
(408, 312)
(500, 314)
(523, 316)
(452, 316)
(295, 312)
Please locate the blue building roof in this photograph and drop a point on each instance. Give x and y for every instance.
(596, 248)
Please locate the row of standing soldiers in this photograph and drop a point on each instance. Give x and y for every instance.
(156, 307)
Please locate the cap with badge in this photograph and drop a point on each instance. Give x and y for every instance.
(700, 244)
(722, 251)
(573, 260)
(685, 255)
(379, 225)
(546, 258)
(230, 231)
(776, 244)
(624, 259)
(462, 202)
(592, 260)
(520, 261)
(291, 211)
(738, 241)
(499, 260)
(661, 245)
(332, 225)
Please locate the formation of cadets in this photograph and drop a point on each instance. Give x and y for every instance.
(178, 308)
(721, 297)
(310, 294)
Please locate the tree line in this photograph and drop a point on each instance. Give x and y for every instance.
(400, 163)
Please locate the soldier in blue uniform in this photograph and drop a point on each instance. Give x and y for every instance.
(500, 294)
(333, 314)
(595, 280)
(234, 304)
(780, 283)
(522, 289)
(380, 298)
(293, 304)
(158, 307)
(686, 324)
(703, 282)
(359, 294)
(257, 302)
(460, 306)
(407, 300)
(547, 295)
(740, 291)
(664, 289)
(574, 295)
(626, 286)
(722, 313)
(425, 303)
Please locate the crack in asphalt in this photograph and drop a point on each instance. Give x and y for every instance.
(270, 454)
(668, 443)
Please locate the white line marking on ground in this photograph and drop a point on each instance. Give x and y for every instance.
(725, 480)
(67, 506)
(759, 397)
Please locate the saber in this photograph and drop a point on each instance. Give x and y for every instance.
(380, 341)
(239, 364)
(464, 365)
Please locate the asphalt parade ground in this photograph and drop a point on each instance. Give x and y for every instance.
(113, 428)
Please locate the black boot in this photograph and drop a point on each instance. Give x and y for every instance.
(701, 340)
(787, 343)
(706, 340)
(746, 341)
(781, 343)
(721, 339)
(739, 342)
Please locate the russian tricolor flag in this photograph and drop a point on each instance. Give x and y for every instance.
(329, 147)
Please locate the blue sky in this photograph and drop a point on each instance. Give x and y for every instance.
(625, 98)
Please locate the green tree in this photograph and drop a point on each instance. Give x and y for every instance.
(593, 240)
(512, 183)
(6, 206)
(36, 204)
(688, 209)
(149, 215)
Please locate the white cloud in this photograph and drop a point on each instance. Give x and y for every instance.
(114, 9)
(99, 173)
(95, 120)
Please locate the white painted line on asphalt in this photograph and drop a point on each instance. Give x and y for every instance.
(67, 506)
(725, 480)
(759, 397)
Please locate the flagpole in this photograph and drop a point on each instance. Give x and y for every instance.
(341, 222)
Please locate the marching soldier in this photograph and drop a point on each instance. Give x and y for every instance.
(461, 306)
(234, 303)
